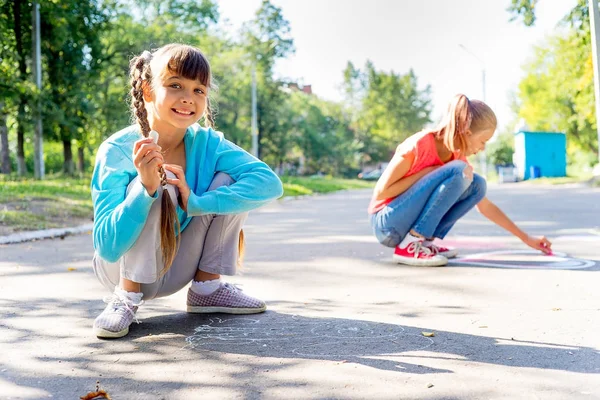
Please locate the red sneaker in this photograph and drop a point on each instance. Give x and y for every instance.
(418, 255)
(442, 251)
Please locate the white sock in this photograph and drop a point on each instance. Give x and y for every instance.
(135, 297)
(207, 287)
(408, 239)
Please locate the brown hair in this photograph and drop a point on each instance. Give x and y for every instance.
(464, 115)
(187, 62)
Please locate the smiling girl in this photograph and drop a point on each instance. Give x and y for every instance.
(429, 185)
(170, 196)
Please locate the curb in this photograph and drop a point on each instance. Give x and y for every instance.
(44, 234)
(64, 232)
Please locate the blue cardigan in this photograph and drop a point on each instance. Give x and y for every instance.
(120, 218)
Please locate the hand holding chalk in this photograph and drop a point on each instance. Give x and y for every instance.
(542, 244)
(147, 158)
(548, 250)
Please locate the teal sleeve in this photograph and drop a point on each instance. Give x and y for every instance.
(119, 217)
(255, 183)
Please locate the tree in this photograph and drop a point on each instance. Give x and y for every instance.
(557, 92)
(392, 107)
(21, 25)
(501, 151)
(192, 16)
(267, 38)
(71, 49)
(524, 9)
(8, 77)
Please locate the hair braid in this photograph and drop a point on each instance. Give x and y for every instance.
(141, 77)
(210, 119)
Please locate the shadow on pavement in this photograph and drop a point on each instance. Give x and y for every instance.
(49, 347)
(273, 334)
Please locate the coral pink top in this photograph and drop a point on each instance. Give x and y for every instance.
(422, 146)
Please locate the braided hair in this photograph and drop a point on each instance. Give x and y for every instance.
(141, 76)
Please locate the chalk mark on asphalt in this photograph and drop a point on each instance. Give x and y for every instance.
(522, 259)
(306, 337)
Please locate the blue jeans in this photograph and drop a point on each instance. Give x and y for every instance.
(431, 206)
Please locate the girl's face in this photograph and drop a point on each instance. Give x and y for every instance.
(476, 141)
(177, 102)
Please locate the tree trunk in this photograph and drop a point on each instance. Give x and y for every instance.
(21, 168)
(68, 166)
(4, 152)
(80, 159)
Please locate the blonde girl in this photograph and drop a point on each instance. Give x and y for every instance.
(429, 185)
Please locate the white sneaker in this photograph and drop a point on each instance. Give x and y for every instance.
(114, 321)
(227, 299)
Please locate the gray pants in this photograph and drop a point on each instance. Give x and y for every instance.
(209, 243)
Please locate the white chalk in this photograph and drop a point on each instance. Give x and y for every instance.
(154, 136)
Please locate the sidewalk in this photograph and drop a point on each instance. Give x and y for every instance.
(343, 320)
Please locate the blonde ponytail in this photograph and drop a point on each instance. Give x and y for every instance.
(464, 117)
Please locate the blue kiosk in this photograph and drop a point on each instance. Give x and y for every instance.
(540, 154)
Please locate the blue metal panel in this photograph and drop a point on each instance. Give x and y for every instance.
(545, 150)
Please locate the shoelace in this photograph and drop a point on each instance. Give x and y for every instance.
(434, 249)
(417, 247)
(120, 302)
(232, 288)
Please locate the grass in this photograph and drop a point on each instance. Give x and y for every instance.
(51, 188)
(298, 186)
(28, 204)
(23, 220)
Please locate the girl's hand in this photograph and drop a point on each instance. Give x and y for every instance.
(147, 157)
(180, 182)
(542, 244)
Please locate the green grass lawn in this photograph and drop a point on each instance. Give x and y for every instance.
(298, 186)
(28, 204)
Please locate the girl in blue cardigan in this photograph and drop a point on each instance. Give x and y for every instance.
(151, 242)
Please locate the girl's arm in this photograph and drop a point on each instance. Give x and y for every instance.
(495, 214)
(119, 217)
(255, 183)
(392, 182)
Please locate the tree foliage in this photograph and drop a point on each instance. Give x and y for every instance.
(390, 107)
(86, 48)
(557, 92)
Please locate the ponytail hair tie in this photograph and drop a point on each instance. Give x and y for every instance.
(146, 55)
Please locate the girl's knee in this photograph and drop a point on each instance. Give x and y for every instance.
(220, 179)
(479, 184)
(457, 168)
